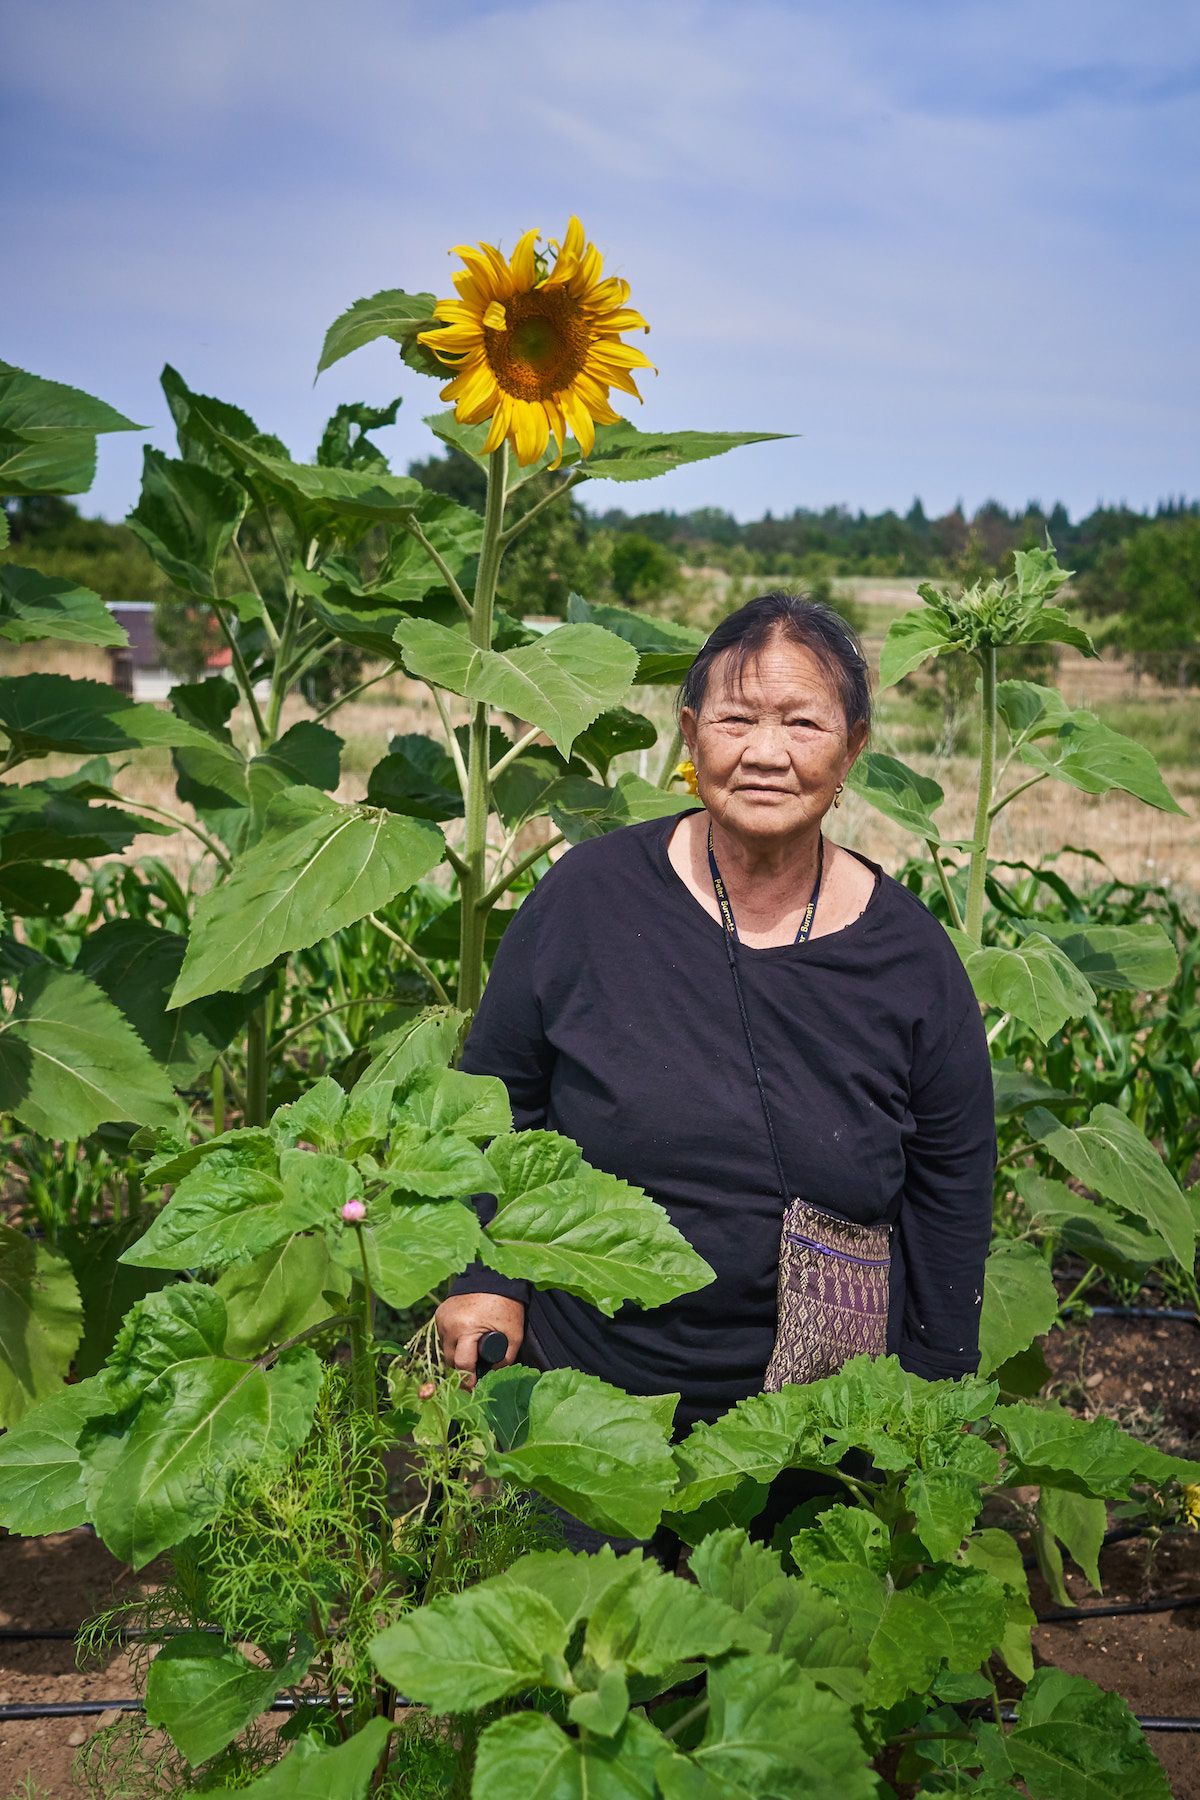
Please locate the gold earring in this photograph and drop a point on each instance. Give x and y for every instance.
(837, 793)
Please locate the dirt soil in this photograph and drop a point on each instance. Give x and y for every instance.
(1143, 1375)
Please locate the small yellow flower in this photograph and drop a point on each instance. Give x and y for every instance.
(536, 348)
(1191, 1505)
(686, 772)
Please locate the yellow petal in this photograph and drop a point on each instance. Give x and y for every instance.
(524, 269)
(495, 318)
(580, 421)
(501, 421)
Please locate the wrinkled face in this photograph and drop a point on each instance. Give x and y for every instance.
(770, 751)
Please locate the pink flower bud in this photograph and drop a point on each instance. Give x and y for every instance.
(354, 1212)
(426, 1391)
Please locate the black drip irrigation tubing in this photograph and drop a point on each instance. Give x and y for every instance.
(1117, 1610)
(81, 1709)
(78, 1709)
(1170, 1315)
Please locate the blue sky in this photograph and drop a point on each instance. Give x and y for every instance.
(951, 243)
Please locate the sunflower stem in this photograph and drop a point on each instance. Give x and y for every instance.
(478, 797)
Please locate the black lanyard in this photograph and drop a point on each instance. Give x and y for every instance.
(810, 911)
(730, 934)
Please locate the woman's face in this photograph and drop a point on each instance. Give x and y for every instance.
(771, 750)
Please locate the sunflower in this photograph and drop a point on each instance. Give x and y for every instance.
(535, 349)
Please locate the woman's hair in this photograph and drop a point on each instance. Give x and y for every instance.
(810, 624)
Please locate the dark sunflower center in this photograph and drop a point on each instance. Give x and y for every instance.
(544, 348)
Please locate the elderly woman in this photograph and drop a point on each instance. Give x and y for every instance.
(769, 1035)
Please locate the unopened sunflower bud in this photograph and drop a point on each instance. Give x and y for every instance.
(354, 1212)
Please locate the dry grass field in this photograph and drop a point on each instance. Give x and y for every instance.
(1136, 841)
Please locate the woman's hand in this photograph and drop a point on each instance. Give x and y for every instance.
(465, 1318)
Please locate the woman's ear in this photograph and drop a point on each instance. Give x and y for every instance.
(855, 746)
(687, 725)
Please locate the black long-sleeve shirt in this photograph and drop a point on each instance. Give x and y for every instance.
(611, 1017)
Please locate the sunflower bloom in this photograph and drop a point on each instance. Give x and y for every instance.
(686, 772)
(535, 348)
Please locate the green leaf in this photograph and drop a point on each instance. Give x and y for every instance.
(560, 684)
(945, 1504)
(998, 1554)
(199, 419)
(108, 1291)
(1132, 959)
(564, 1225)
(466, 1650)
(137, 964)
(528, 1757)
(280, 1292)
(1074, 1741)
(524, 789)
(203, 1693)
(319, 866)
(910, 641)
(48, 434)
(417, 778)
(666, 650)
(439, 1165)
(240, 1201)
(186, 517)
(327, 496)
(615, 733)
(1118, 1245)
(69, 1061)
(906, 1637)
(32, 408)
(602, 1454)
(1095, 758)
(314, 1772)
(872, 1404)
(69, 713)
(195, 1430)
(1015, 1090)
(391, 314)
(474, 1106)
(602, 1709)
(176, 1325)
(585, 809)
(431, 1037)
(35, 606)
(1051, 1447)
(898, 792)
(1020, 1302)
(1030, 710)
(1035, 981)
(646, 1622)
(1110, 1155)
(972, 1606)
(41, 1487)
(307, 755)
(623, 453)
(770, 1733)
(40, 1322)
(794, 1618)
(411, 1246)
(1079, 1522)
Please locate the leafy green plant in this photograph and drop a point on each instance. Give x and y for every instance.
(1038, 969)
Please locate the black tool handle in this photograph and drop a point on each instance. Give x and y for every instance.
(492, 1349)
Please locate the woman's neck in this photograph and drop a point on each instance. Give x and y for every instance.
(763, 864)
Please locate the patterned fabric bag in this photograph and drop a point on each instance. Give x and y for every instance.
(833, 1294)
